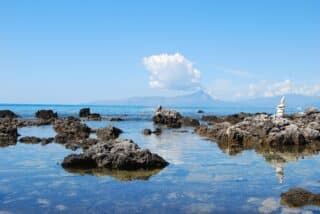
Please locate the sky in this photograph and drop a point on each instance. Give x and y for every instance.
(78, 51)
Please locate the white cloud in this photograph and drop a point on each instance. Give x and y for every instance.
(172, 72)
(235, 72)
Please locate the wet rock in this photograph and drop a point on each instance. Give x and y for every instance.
(108, 133)
(121, 154)
(115, 119)
(8, 133)
(186, 121)
(84, 112)
(7, 114)
(46, 114)
(35, 140)
(167, 117)
(94, 116)
(78, 162)
(70, 130)
(147, 131)
(200, 111)
(298, 197)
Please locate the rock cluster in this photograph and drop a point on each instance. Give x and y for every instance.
(121, 154)
(108, 133)
(267, 130)
(233, 118)
(298, 197)
(70, 130)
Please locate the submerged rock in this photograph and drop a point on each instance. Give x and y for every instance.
(298, 197)
(147, 131)
(7, 114)
(167, 117)
(46, 114)
(186, 121)
(35, 140)
(200, 111)
(119, 154)
(157, 131)
(108, 133)
(115, 119)
(78, 162)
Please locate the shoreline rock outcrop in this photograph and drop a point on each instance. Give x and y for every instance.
(7, 114)
(266, 130)
(168, 117)
(8, 133)
(47, 115)
(120, 154)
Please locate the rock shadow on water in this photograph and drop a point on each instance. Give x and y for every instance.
(121, 175)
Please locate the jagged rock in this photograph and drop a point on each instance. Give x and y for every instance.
(71, 130)
(108, 133)
(84, 112)
(186, 121)
(167, 117)
(7, 114)
(298, 197)
(8, 133)
(121, 154)
(46, 114)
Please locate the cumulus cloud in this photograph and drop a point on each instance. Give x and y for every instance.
(172, 72)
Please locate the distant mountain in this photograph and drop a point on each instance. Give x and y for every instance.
(202, 99)
(199, 98)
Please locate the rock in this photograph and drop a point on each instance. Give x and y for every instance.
(233, 119)
(298, 197)
(108, 133)
(84, 112)
(147, 131)
(8, 133)
(78, 161)
(115, 119)
(157, 131)
(94, 116)
(46, 114)
(70, 130)
(7, 114)
(200, 111)
(35, 140)
(121, 154)
(186, 121)
(167, 117)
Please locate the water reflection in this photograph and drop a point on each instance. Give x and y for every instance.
(122, 175)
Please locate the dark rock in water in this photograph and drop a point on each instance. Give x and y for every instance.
(119, 154)
(167, 117)
(78, 162)
(7, 114)
(186, 121)
(108, 133)
(46, 114)
(70, 130)
(147, 131)
(8, 133)
(200, 111)
(35, 140)
(115, 119)
(157, 131)
(94, 116)
(84, 112)
(298, 197)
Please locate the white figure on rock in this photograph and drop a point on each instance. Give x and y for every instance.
(281, 108)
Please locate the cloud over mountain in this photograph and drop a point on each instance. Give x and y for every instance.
(173, 72)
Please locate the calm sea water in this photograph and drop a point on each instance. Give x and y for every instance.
(201, 177)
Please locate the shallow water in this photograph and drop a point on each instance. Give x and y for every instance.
(201, 177)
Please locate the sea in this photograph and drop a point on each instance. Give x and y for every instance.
(202, 177)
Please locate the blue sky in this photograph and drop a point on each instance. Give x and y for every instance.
(77, 51)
